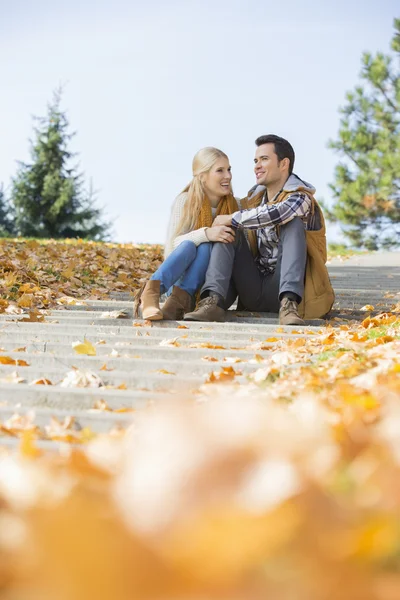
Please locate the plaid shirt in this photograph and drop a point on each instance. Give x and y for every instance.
(265, 217)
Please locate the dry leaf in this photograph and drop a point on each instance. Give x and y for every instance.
(41, 381)
(114, 314)
(7, 360)
(84, 347)
(78, 378)
(170, 342)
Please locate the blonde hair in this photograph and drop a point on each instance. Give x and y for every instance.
(203, 162)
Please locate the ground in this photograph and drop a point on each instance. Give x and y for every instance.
(262, 461)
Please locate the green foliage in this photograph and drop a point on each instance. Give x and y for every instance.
(366, 189)
(7, 216)
(48, 194)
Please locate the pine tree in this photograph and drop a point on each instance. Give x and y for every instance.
(7, 216)
(48, 194)
(367, 180)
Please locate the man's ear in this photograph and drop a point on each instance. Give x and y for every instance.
(285, 163)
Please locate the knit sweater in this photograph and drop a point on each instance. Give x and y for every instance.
(197, 236)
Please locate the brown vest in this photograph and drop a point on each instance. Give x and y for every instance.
(318, 292)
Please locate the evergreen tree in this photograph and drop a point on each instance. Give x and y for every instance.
(7, 216)
(367, 180)
(48, 194)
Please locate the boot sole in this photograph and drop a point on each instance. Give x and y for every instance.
(187, 318)
(153, 317)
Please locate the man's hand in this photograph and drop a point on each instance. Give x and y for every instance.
(220, 233)
(223, 220)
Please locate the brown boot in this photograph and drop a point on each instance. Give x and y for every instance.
(177, 304)
(207, 310)
(289, 313)
(150, 301)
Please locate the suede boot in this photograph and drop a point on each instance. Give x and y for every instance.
(289, 313)
(150, 301)
(177, 304)
(207, 310)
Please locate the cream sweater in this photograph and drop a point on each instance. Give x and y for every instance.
(197, 236)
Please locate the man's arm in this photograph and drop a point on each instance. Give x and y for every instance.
(296, 205)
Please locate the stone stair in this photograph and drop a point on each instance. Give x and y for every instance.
(151, 363)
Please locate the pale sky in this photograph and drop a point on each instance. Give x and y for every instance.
(147, 84)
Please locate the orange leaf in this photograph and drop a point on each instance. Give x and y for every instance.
(42, 381)
(7, 360)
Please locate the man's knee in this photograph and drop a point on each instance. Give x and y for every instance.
(293, 227)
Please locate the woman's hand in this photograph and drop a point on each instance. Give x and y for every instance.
(220, 233)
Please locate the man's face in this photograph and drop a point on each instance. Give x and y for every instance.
(267, 167)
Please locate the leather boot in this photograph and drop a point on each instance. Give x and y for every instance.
(150, 301)
(207, 310)
(177, 304)
(289, 313)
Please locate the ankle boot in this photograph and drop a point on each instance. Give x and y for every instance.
(177, 304)
(150, 301)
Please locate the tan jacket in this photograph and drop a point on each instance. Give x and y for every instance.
(318, 292)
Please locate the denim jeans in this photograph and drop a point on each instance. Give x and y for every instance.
(185, 266)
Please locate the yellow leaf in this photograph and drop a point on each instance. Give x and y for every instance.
(367, 307)
(25, 301)
(84, 347)
(164, 372)
(27, 447)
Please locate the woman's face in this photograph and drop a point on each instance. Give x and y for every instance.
(217, 182)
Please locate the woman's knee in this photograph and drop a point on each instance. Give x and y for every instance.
(204, 249)
(188, 248)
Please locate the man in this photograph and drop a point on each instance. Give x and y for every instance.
(268, 272)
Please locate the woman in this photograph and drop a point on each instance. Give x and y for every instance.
(189, 237)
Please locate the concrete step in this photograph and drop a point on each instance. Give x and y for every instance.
(23, 395)
(98, 420)
(130, 365)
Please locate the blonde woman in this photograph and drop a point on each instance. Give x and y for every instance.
(190, 236)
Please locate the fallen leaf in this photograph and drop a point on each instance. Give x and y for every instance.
(42, 381)
(84, 347)
(105, 368)
(114, 314)
(170, 342)
(78, 378)
(207, 345)
(367, 307)
(7, 360)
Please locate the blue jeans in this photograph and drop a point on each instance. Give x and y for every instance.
(186, 265)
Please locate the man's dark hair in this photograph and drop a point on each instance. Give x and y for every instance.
(282, 147)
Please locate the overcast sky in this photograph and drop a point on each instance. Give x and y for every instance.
(149, 83)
